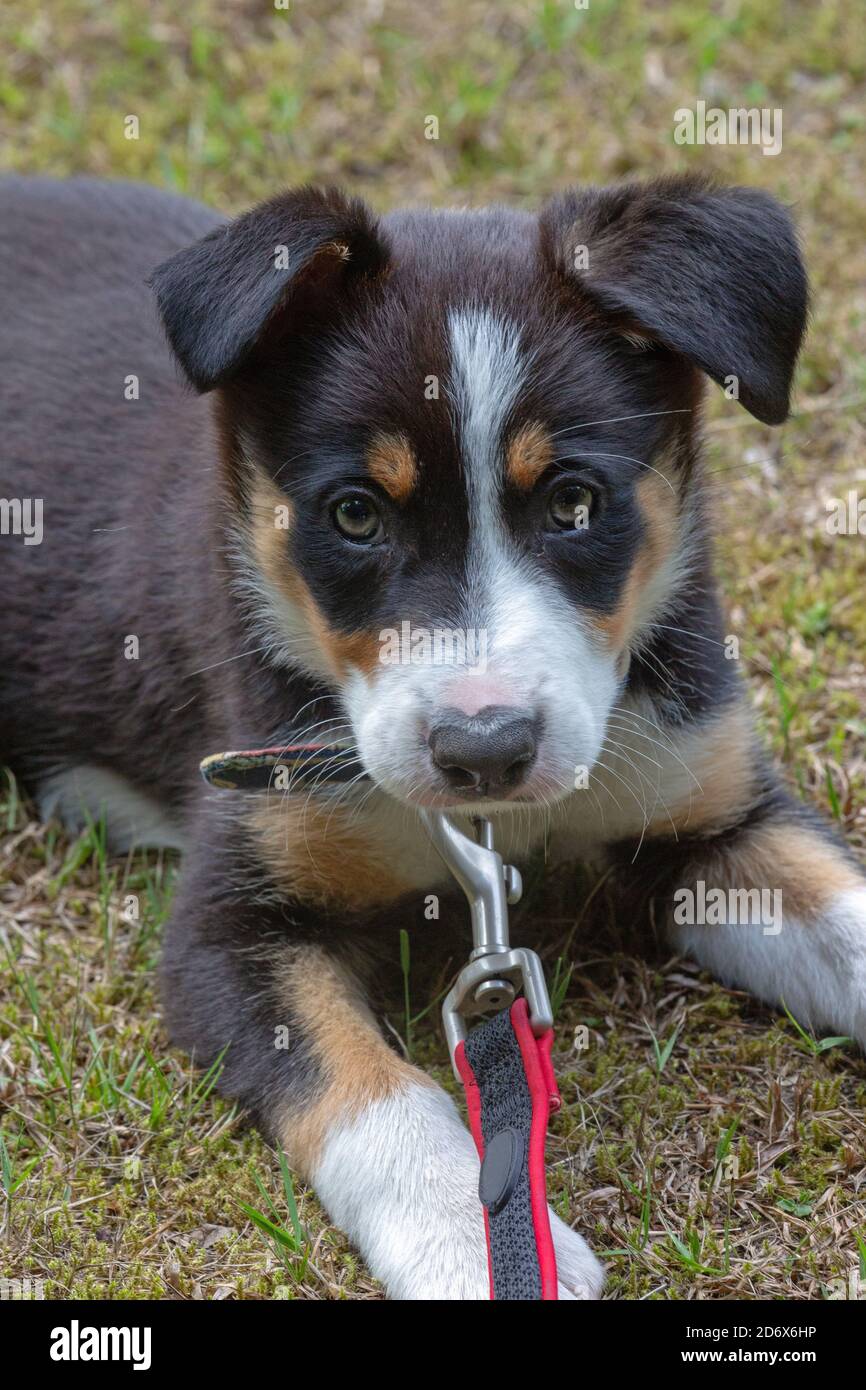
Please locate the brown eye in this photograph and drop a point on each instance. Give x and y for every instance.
(356, 517)
(570, 507)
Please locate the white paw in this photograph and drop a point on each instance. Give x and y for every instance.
(815, 967)
(402, 1182)
(581, 1274)
(401, 1179)
(453, 1263)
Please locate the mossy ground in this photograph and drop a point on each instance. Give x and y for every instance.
(733, 1166)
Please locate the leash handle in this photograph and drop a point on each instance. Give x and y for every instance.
(511, 1092)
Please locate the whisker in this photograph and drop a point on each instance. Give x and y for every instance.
(640, 464)
(668, 748)
(638, 752)
(253, 652)
(599, 763)
(641, 782)
(658, 798)
(714, 641)
(305, 453)
(617, 419)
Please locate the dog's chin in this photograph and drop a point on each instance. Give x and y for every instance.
(532, 795)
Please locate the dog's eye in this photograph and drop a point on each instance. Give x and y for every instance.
(570, 507)
(355, 517)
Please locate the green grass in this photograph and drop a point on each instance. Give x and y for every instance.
(707, 1147)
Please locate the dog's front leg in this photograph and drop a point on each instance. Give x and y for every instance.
(778, 908)
(382, 1145)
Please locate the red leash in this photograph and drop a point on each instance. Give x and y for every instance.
(510, 1094)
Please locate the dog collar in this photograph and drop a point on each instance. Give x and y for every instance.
(275, 769)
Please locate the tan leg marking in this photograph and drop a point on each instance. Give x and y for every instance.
(357, 1064)
(315, 852)
(808, 869)
(392, 464)
(724, 762)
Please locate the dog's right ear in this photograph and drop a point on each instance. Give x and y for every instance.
(248, 280)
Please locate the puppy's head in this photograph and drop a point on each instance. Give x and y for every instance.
(459, 445)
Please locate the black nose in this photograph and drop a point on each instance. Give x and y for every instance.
(489, 752)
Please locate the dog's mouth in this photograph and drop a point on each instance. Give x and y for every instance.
(484, 795)
(523, 781)
(476, 800)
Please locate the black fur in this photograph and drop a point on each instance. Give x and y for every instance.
(241, 282)
(714, 274)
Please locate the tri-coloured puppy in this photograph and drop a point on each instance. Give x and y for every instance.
(481, 423)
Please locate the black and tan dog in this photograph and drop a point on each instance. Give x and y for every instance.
(480, 423)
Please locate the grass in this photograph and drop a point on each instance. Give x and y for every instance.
(707, 1147)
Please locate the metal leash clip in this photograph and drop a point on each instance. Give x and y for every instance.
(496, 971)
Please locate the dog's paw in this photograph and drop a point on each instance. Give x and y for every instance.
(402, 1181)
(580, 1273)
(448, 1265)
(454, 1263)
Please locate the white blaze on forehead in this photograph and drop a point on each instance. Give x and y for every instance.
(487, 371)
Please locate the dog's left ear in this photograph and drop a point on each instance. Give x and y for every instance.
(713, 273)
(231, 296)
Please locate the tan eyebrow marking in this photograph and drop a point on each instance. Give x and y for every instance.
(392, 464)
(529, 454)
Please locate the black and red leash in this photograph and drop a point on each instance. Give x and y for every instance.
(503, 1058)
(504, 1064)
(510, 1094)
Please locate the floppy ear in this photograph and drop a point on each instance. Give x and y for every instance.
(222, 296)
(714, 274)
